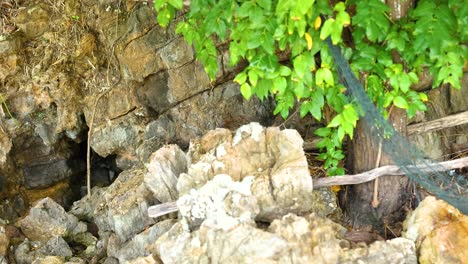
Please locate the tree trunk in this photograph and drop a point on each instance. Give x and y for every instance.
(392, 191)
(393, 195)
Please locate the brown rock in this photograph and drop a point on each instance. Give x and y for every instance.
(439, 230)
(33, 20)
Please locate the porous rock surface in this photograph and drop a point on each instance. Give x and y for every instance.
(274, 158)
(47, 219)
(222, 218)
(439, 231)
(57, 58)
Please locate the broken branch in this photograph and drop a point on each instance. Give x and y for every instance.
(438, 124)
(389, 170)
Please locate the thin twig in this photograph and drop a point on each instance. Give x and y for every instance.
(88, 150)
(375, 196)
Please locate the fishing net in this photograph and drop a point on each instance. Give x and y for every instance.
(446, 185)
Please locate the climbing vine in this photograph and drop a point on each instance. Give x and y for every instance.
(433, 37)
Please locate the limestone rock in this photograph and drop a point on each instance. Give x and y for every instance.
(143, 260)
(75, 260)
(242, 244)
(164, 169)
(49, 260)
(220, 203)
(292, 239)
(439, 231)
(56, 246)
(47, 219)
(36, 252)
(394, 251)
(139, 245)
(282, 183)
(123, 207)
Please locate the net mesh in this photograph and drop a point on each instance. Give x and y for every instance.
(449, 186)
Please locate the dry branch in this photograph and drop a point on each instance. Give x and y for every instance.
(389, 170)
(438, 124)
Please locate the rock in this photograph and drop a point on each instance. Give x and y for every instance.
(5, 146)
(123, 207)
(33, 20)
(56, 246)
(117, 135)
(220, 203)
(439, 231)
(111, 260)
(25, 252)
(242, 244)
(75, 260)
(10, 58)
(44, 175)
(84, 209)
(4, 241)
(292, 239)
(282, 183)
(394, 251)
(143, 260)
(164, 169)
(309, 242)
(47, 219)
(49, 260)
(139, 245)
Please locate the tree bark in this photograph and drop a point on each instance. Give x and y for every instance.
(383, 210)
(392, 192)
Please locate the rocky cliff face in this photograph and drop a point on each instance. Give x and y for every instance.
(68, 65)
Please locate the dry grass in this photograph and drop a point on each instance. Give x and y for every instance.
(8, 11)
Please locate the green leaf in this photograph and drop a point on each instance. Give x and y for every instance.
(165, 15)
(305, 108)
(265, 4)
(336, 121)
(324, 75)
(301, 65)
(244, 9)
(253, 78)
(400, 102)
(323, 131)
(317, 104)
(241, 78)
(328, 77)
(262, 88)
(279, 84)
(246, 91)
(342, 18)
(388, 99)
(176, 3)
(284, 70)
(327, 28)
(340, 133)
(350, 115)
(349, 129)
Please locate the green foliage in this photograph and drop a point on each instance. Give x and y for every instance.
(433, 37)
